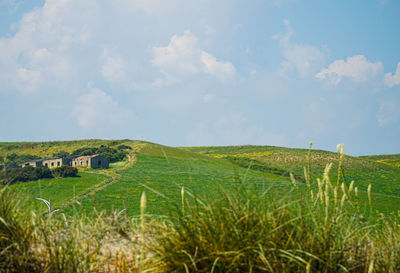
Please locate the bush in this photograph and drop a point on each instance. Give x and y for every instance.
(113, 155)
(65, 171)
(61, 154)
(27, 173)
(124, 147)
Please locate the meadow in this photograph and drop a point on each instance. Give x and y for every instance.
(206, 209)
(162, 171)
(59, 190)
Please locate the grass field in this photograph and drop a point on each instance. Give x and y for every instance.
(392, 160)
(59, 190)
(205, 209)
(385, 179)
(162, 171)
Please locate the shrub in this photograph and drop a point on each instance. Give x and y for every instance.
(41, 172)
(30, 173)
(61, 154)
(65, 171)
(27, 173)
(124, 147)
(113, 155)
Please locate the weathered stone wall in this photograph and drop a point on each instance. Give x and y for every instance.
(99, 162)
(52, 163)
(81, 162)
(35, 163)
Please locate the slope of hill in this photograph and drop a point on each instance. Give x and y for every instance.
(62, 191)
(162, 171)
(384, 179)
(48, 149)
(392, 160)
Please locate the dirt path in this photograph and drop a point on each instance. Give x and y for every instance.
(112, 175)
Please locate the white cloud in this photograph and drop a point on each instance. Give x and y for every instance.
(389, 113)
(221, 70)
(232, 129)
(40, 56)
(357, 68)
(60, 46)
(151, 7)
(97, 109)
(26, 80)
(183, 56)
(393, 79)
(305, 59)
(113, 68)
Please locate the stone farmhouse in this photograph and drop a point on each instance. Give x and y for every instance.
(33, 163)
(56, 162)
(91, 161)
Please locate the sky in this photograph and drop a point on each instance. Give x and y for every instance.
(203, 72)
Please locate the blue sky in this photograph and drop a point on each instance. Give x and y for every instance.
(203, 72)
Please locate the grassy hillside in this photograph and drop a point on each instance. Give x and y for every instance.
(62, 191)
(384, 179)
(59, 190)
(162, 171)
(47, 149)
(392, 160)
(240, 213)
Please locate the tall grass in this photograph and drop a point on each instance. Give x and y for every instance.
(244, 230)
(317, 227)
(16, 237)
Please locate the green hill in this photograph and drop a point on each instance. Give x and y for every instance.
(384, 179)
(392, 160)
(162, 171)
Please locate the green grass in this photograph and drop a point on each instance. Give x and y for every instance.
(58, 190)
(236, 229)
(162, 171)
(392, 160)
(229, 219)
(385, 179)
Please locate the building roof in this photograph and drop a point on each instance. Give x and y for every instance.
(36, 160)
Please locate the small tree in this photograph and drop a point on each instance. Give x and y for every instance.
(65, 171)
(61, 154)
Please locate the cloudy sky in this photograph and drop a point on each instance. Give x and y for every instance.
(203, 72)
